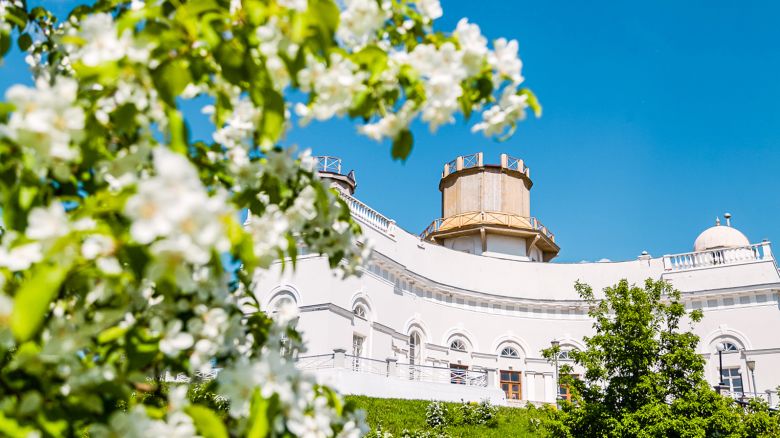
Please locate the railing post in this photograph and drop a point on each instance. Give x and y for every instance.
(504, 161)
(339, 358)
(391, 228)
(459, 163)
(479, 159)
(767, 249)
(392, 370)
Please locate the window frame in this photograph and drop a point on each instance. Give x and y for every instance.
(509, 390)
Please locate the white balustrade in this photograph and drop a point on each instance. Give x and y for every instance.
(369, 216)
(718, 257)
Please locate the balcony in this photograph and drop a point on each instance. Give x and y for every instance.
(718, 257)
(486, 218)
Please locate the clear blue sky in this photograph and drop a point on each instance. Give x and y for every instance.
(657, 118)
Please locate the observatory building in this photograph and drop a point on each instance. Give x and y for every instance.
(463, 309)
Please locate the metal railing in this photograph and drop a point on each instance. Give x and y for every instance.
(513, 163)
(366, 365)
(452, 166)
(329, 164)
(470, 161)
(456, 376)
(745, 397)
(718, 257)
(317, 362)
(369, 216)
(388, 368)
(487, 218)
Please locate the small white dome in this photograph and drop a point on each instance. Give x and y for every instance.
(720, 236)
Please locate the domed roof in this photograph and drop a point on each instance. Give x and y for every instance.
(720, 236)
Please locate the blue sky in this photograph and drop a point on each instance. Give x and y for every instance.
(657, 118)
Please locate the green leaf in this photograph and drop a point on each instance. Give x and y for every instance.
(111, 334)
(25, 41)
(402, 145)
(371, 58)
(533, 102)
(177, 129)
(324, 19)
(5, 42)
(171, 78)
(273, 117)
(208, 424)
(31, 303)
(258, 419)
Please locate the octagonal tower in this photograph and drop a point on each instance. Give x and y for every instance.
(486, 210)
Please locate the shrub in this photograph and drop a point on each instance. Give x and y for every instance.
(436, 415)
(482, 413)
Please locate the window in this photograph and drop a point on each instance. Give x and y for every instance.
(510, 383)
(564, 391)
(357, 351)
(458, 345)
(458, 373)
(729, 346)
(733, 379)
(564, 355)
(359, 311)
(509, 352)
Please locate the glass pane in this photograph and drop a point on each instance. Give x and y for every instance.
(515, 377)
(504, 375)
(505, 387)
(515, 388)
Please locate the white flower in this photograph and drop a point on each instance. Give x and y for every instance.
(504, 59)
(97, 245)
(47, 223)
(360, 19)
(46, 119)
(443, 72)
(473, 45)
(298, 5)
(304, 208)
(430, 9)
(286, 313)
(21, 257)
(314, 424)
(239, 127)
(334, 87)
(174, 340)
(390, 125)
(175, 206)
(101, 42)
(504, 115)
(269, 233)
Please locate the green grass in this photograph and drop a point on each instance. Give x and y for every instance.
(395, 415)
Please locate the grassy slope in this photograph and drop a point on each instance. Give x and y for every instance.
(395, 415)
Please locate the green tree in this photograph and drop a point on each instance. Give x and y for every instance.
(642, 376)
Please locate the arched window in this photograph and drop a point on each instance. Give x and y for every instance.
(359, 311)
(415, 348)
(729, 346)
(458, 345)
(509, 352)
(564, 355)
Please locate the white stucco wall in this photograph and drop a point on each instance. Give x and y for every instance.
(492, 302)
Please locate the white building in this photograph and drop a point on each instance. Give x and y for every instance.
(462, 310)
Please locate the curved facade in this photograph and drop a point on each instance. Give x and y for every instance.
(429, 321)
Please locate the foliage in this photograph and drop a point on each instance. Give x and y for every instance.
(642, 375)
(482, 413)
(121, 235)
(436, 415)
(396, 417)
